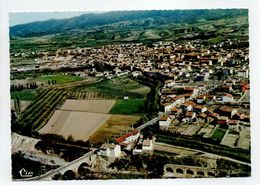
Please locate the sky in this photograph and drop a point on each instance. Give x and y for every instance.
(21, 18)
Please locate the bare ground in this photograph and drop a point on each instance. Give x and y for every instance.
(80, 125)
(97, 106)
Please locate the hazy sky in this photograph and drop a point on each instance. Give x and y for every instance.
(21, 18)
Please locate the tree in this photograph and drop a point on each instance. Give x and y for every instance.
(70, 139)
(17, 106)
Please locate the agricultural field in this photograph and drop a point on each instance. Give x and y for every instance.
(23, 105)
(26, 95)
(113, 127)
(128, 106)
(79, 125)
(97, 106)
(39, 111)
(117, 88)
(59, 78)
(89, 119)
(218, 134)
(90, 95)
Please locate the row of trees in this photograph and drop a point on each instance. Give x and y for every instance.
(39, 111)
(21, 87)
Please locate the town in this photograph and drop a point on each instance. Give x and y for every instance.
(204, 96)
(163, 109)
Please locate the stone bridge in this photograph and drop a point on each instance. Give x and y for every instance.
(89, 159)
(173, 170)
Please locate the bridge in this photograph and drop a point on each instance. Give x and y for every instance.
(184, 171)
(151, 122)
(88, 159)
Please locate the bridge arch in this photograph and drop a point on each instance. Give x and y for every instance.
(179, 170)
(200, 173)
(83, 168)
(69, 175)
(190, 172)
(169, 170)
(211, 174)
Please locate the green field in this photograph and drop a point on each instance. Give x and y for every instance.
(118, 88)
(27, 94)
(218, 134)
(130, 106)
(59, 78)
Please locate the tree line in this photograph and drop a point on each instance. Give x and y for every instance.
(21, 87)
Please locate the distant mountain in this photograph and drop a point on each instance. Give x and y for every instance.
(125, 19)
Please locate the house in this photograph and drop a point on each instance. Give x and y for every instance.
(164, 121)
(176, 101)
(200, 99)
(169, 83)
(227, 111)
(138, 149)
(147, 145)
(244, 73)
(136, 73)
(175, 111)
(188, 105)
(212, 117)
(199, 109)
(110, 150)
(202, 118)
(128, 137)
(226, 88)
(189, 117)
(211, 98)
(233, 124)
(227, 98)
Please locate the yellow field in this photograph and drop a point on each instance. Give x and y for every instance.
(113, 127)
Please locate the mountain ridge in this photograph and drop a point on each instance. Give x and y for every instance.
(127, 19)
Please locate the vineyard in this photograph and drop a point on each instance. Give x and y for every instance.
(40, 110)
(106, 94)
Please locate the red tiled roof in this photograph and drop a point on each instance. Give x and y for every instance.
(222, 122)
(122, 138)
(187, 103)
(188, 89)
(174, 109)
(225, 109)
(233, 122)
(189, 114)
(202, 115)
(228, 95)
(163, 118)
(215, 115)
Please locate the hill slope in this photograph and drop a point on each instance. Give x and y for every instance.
(123, 20)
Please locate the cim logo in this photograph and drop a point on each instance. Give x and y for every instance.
(24, 173)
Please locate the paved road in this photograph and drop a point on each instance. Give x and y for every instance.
(52, 172)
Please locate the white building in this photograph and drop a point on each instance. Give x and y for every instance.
(227, 98)
(129, 137)
(243, 73)
(176, 101)
(110, 150)
(147, 145)
(164, 121)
